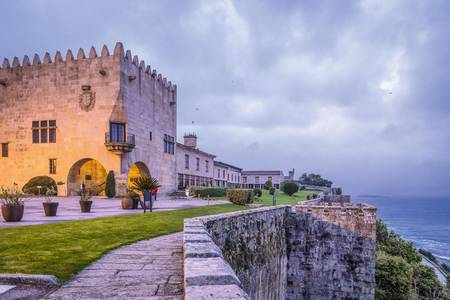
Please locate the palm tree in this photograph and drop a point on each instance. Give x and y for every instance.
(145, 184)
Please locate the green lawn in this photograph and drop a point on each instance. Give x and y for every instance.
(63, 249)
(281, 198)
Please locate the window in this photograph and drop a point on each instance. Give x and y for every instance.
(186, 161)
(223, 174)
(52, 165)
(169, 144)
(228, 177)
(52, 131)
(150, 136)
(43, 131)
(218, 173)
(244, 179)
(269, 178)
(197, 165)
(4, 149)
(35, 130)
(117, 132)
(257, 179)
(206, 166)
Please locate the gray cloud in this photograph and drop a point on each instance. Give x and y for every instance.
(354, 90)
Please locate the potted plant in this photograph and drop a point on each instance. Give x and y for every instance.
(131, 201)
(85, 202)
(144, 185)
(12, 204)
(50, 207)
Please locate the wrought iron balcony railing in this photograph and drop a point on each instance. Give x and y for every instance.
(119, 144)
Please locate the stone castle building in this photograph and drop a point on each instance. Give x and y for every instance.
(78, 117)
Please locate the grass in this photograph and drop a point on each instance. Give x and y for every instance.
(63, 249)
(281, 198)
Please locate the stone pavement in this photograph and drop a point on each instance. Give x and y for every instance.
(151, 269)
(69, 209)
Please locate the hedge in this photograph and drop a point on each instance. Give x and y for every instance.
(44, 181)
(240, 196)
(211, 192)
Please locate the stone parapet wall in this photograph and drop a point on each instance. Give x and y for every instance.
(281, 253)
(360, 219)
(327, 261)
(207, 275)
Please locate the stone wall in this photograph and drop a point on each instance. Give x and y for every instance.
(280, 253)
(329, 261)
(254, 244)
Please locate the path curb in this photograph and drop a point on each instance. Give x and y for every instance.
(31, 279)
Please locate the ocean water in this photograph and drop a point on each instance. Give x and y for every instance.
(424, 221)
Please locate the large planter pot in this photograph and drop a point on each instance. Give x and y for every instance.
(12, 213)
(127, 203)
(85, 206)
(50, 208)
(147, 203)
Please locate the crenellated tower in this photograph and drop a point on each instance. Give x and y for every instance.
(64, 112)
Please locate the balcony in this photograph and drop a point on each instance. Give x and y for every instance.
(119, 144)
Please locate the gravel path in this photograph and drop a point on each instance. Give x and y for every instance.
(151, 269)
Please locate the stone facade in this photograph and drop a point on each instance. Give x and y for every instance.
(226, 175)
(256, 179)
(194, 167)
(280, 253)
(69, 105)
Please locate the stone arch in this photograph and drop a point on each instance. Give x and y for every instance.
(136, 170)
(89, 171)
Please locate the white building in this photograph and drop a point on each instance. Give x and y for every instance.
(194, 167)
(256, 179)
(226, 175)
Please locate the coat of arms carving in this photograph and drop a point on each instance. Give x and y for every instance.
(87, 99)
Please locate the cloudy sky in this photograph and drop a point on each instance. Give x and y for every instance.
(358, 91)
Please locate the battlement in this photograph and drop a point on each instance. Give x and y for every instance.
(9, 72)
(360, 218)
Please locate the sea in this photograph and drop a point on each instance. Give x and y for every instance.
(425, 221)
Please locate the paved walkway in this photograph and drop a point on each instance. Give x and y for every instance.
(69, 209)
(151, 269)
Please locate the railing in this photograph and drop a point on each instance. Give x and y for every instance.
(119, 144)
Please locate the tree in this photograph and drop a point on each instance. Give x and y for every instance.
(110, 188)
(290, 188)
(314, 179)
(392, 276)
(268, 184)
(426, 284)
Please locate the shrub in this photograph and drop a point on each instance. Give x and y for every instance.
(240, 196)
(257, 192)
(110, 188)
(211, 192)
(145, 183)
(272, 191)
(44, 181)
(267, 184)
(392, 277)
(314, 196)
(290, 188)
(338, 191)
